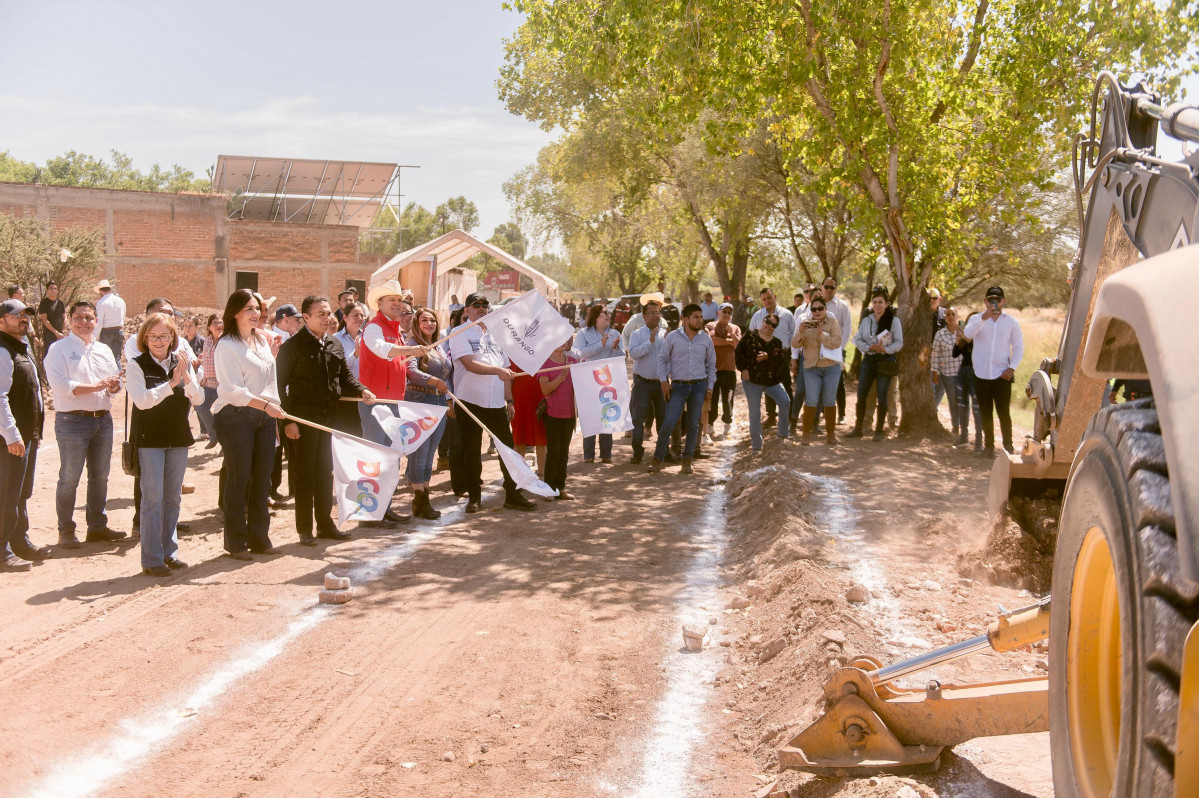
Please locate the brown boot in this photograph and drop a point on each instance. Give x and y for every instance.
(830, 423)
(809, 424)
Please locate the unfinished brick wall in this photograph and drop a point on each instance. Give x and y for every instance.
(181, 246)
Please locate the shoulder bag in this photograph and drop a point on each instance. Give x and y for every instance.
(129, 461)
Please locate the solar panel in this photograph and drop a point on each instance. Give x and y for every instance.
(304, 191)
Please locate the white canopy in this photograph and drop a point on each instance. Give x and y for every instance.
(452, 250)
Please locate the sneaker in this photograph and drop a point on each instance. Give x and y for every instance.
(727, 426)
(14, 563)
(708, 439)
(517, 501)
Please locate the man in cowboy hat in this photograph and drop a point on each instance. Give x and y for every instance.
(382, 366)
(110, 319)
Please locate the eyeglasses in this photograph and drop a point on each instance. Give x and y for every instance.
(406, 315)
(480, 304)
(817, 310)
(159, 339)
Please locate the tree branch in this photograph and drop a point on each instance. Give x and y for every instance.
(976, 40)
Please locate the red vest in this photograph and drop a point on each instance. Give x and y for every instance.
(384, 378)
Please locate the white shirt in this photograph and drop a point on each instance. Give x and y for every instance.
(132, 350)
(802, 313)
(786, 329)
(484, 390)
(144, 398)
(110, 311)
(71, 363)
(998, 345)
(838, 308)
(8, 422)
(279, 331)
(347, 344)
(372, 339)
(243, 373)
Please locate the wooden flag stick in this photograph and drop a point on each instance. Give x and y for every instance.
(377, 400)
(332, 431)
(545, 371)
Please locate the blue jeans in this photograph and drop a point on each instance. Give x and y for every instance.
(753, 398)
(82, 440)
(938, 393)
(16, 486)
(162, 486)
(968, 402)
(868, 375)
(820, 385)
(370, 427)
(248, 438)
(605, 442)
(646, 399)
(204, 412)
(420, 462)
(800, 390)
(690, 398)
(952, 388)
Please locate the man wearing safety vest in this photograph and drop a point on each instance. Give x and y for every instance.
(382, 365)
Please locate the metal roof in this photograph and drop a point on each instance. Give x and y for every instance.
(304, 190)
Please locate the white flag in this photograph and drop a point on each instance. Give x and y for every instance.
(364, 477)
(520, 472)
(412, 427)
(528, 329)
(602, 396)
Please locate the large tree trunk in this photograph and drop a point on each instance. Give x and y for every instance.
(919, 414)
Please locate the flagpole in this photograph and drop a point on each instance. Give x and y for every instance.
(332, 431)
(377, 400)
(464, 327)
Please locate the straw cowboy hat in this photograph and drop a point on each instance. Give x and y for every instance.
(100, 286)
(656, 296)
(389, 288)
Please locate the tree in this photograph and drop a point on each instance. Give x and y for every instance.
(31, 255)
(456, 213)
(930, 114)
(78, 169)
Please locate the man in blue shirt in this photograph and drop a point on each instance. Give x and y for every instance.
(644, 345)
(687, 371)
(709, 307)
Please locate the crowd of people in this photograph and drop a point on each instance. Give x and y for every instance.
(271, 385)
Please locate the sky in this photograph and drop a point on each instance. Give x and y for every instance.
(183, 82)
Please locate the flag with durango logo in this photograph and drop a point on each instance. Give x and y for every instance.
(602, 396)
(410, 425)
(365, 476)
(528, 329)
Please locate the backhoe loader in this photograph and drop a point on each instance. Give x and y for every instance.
(1121, 701)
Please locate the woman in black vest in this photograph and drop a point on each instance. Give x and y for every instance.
(161, 384)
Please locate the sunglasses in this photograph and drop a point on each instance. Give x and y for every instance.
(818, 310)
(480, 304)
(769, 324)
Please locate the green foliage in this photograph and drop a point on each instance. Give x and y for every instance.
(31, 255)
(418, 225)
(78, 169)
(927, 117)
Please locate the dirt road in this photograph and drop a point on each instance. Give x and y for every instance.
(502, 653)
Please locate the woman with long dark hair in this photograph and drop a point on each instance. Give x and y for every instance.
(429, 378)
(762, 359)
(598, 340)
(879, 337)
(247, 402)
(163, 389)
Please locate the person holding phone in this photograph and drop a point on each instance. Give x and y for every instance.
(998, 350)
(818, 341)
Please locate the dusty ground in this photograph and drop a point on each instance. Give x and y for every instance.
(542, 651)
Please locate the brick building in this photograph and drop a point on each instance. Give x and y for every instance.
(183, 247)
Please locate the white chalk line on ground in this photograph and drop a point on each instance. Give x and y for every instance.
(141, 737)
(677, 727)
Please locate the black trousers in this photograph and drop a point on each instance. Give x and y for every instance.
(282, 451)
(558, 432)
(471, 434)
(311, 470)
(16, 486)
(841, 395)
(726, 385)
(453, 441)
(995, 398)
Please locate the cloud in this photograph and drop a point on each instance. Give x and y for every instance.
(461, 149)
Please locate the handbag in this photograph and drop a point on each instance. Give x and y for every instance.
(887, 366)
(543, 409)
(129, 461)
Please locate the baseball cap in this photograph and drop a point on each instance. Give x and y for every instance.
(477, 296)
(995, 291)
(726, 305)
(934, 293)
(9, 306)
(286, 311)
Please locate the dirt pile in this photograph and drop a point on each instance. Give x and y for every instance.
(1019, 549)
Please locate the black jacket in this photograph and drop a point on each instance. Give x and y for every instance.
(165, 425)
(25, 396)
(313, 376)
(770, 371)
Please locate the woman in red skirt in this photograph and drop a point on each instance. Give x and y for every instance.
(527, 429)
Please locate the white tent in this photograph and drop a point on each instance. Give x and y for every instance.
(440, 257)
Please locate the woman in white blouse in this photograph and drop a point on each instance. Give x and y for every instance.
(163, 388)
(247, 401)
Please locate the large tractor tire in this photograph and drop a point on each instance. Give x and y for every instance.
(1120, 615)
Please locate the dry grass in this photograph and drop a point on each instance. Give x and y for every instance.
(1042, 329)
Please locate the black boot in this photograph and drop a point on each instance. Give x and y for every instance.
(880, 424)
(857, 425)
(423, 508)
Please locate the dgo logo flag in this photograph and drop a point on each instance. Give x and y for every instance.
(602, 396)
(528, 329)
(410, 425)
(364, 477)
